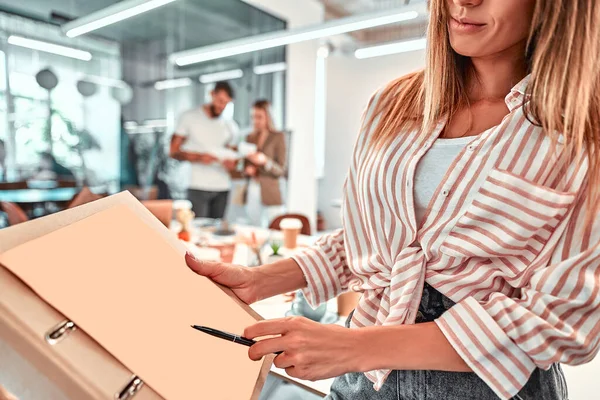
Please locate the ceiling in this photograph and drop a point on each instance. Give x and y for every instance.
(406, 30)
(184, 24)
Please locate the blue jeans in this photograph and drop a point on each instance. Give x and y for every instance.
(439, 385)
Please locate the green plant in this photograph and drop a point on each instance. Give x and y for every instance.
(275, 246)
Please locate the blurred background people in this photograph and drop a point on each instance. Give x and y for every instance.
(203, 139)
(265, 167)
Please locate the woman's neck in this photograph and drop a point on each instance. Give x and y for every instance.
(494, 76)
(262, 132)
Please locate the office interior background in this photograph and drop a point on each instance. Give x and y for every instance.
(105, 102)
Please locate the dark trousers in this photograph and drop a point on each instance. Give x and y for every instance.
(208, 204)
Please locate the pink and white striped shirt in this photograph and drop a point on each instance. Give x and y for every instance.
(503, 237)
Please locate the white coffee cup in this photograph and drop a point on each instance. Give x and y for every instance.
(245, 149)
(291, 228)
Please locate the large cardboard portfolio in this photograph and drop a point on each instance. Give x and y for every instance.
(99, 299)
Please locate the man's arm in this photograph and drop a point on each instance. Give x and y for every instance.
(178, 154)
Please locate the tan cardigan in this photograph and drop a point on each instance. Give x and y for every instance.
(274, 148)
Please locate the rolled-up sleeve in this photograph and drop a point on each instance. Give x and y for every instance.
(556, 318)
(325, 269)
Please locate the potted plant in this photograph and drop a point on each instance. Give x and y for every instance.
(275, 256)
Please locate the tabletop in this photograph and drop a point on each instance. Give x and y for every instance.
(23, 196)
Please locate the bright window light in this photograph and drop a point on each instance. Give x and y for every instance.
(50, 48)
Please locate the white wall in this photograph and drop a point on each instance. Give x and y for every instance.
(300, 112)
(350, 85)
(582, 381)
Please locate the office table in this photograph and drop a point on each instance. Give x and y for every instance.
(30, 196)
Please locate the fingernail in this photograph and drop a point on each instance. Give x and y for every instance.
(191, 255)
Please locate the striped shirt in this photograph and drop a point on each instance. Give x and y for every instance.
(503, 237)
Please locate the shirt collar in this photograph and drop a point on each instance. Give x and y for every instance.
(517, 96)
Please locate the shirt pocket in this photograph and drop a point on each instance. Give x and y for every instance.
(509, 222)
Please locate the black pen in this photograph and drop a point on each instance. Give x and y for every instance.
(227, 336)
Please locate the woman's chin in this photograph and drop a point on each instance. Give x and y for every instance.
(470, 50)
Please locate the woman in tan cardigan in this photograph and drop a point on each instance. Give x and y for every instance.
(264, 168)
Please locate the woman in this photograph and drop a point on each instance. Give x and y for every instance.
(264, 167)
(479, 268)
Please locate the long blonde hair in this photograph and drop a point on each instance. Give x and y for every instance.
(563, 58)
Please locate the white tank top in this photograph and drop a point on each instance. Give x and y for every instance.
(432, 168)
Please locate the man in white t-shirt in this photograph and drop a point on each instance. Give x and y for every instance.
(203, 138)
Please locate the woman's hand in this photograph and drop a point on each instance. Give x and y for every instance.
(5, 395)
(311, 351)
(250, 170)
(240, 280)
(258, 159)
(252, 284)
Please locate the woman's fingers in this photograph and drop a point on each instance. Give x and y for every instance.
(266, 347)
(270, 327)
(203, 268)
(5, 395)
(283, 361)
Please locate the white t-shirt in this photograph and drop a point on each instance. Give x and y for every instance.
(207, 135)
(432, 168)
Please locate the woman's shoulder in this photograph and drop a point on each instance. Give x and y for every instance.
(384, 102)
(278, 135)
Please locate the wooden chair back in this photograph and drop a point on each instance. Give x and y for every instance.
(306, 230)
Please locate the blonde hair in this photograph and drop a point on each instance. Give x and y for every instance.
(265, 105)
(563, 58)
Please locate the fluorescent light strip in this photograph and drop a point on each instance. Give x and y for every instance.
(391, 48)
(172, 83)
(270, 68)
(104, 81)
(110, 15)
(283, 38)
(50, 48)
(221, 76)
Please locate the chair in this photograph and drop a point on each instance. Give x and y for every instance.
(66, 184)
(305, 223)
(161, 209)
(15, 214)
(83, 197)
(13, 185)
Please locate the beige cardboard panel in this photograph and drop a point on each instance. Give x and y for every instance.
(9, 238)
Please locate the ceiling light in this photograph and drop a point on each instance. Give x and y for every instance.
(104, 81)
(110, 15)
(222, 76)
(172, 83)
(286, 37)
(50, 48)
(391, 48)
(270, 68)
(323, 51)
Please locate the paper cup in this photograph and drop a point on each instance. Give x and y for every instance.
(245, 149)
(291, 228)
